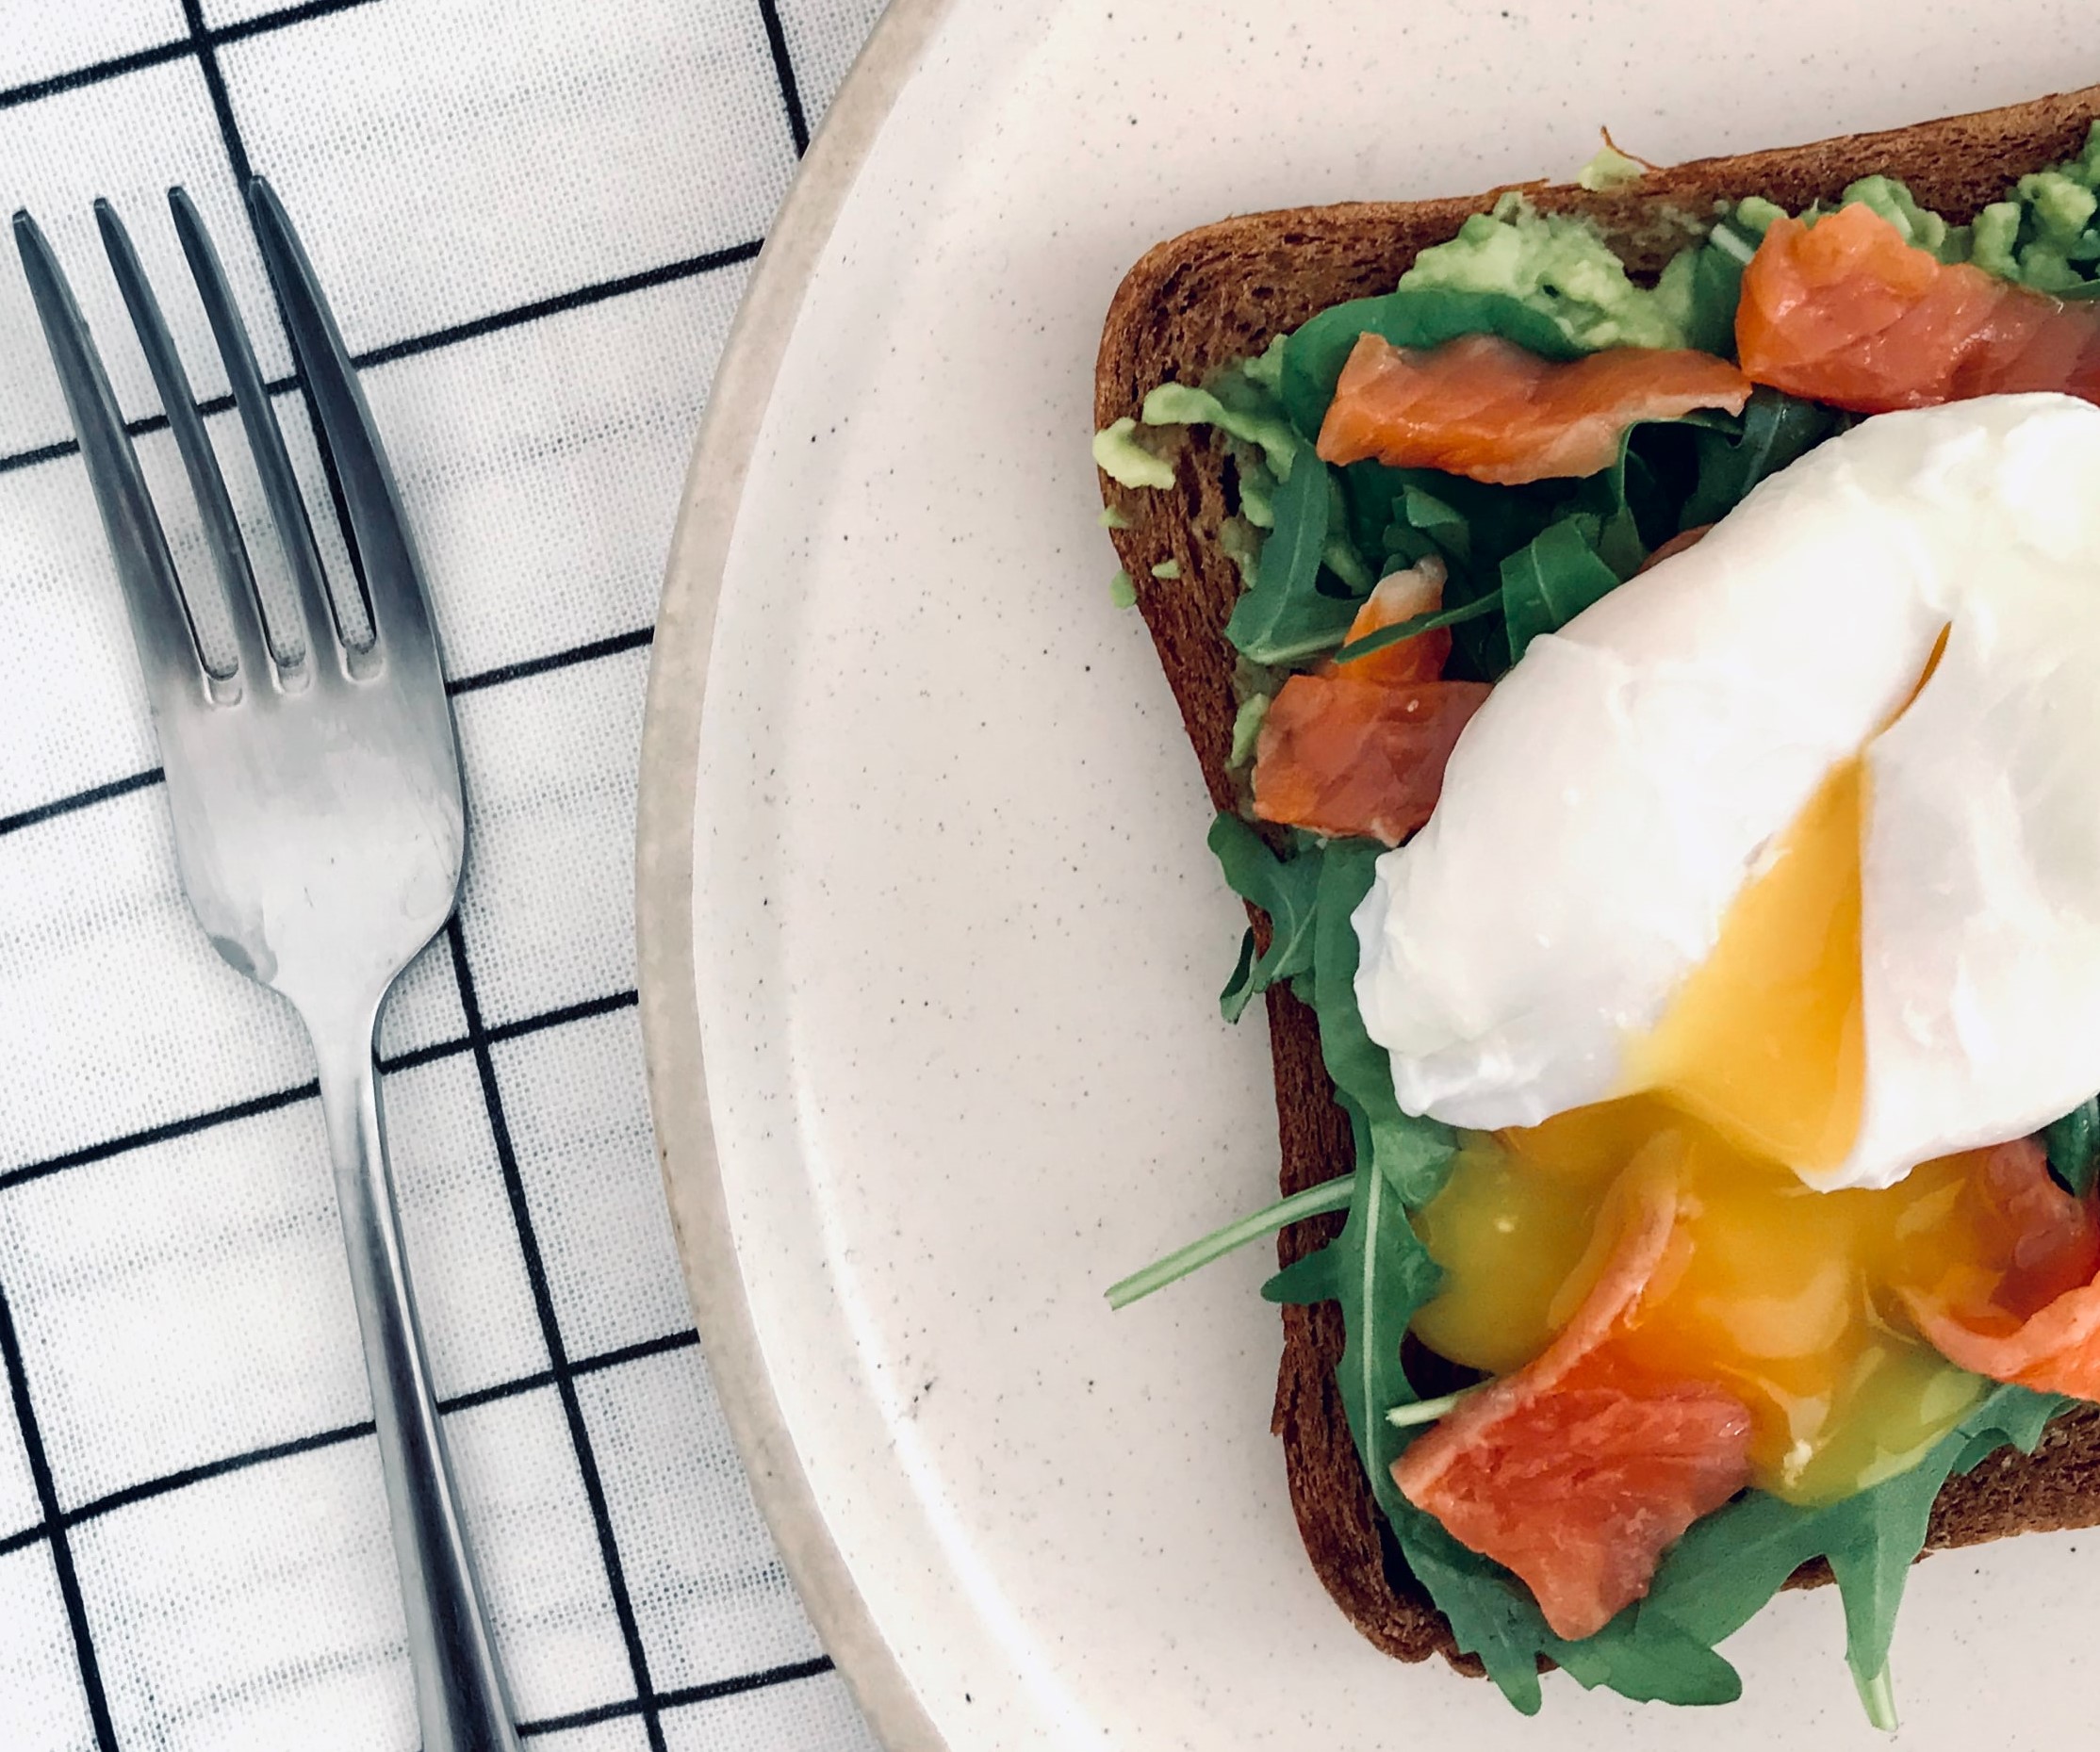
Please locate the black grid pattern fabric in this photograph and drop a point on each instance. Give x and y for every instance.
(534, 220)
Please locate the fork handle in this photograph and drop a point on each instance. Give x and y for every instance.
(460, 1700)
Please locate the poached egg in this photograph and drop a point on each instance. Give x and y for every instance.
(1799, 832)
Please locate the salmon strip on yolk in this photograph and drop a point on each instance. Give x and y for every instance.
(1579, 1470)
(2038, 1323)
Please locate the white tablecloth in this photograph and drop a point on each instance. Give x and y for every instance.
(534, 222)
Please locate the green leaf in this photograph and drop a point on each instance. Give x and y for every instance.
(1727, 1565)
(1607, 495)
(1313, 1202)
(1718, 1578)
(1285, 615)
(1871, 1571)
(1416, 623)
(1716, 289)
(1437, 519)
(1773, 431)
(1371, 493)
(2073, 1144)
(1306, 1281)
(1494, 1616)
(1285, 889)
(1547, 583)
(1873, 1564)
(1241, 986)
(1665, 1665)
(1491, 1617)
(1413, 1154)
(1381, 1273)
(1417, 317)
(2018, 1416)
(1377, 1268)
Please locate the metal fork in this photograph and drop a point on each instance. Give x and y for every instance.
(318, 823)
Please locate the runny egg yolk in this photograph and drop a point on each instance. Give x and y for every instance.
(1764, 1040)
(1786, 1296)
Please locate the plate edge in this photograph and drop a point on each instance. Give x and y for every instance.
(676, 1070)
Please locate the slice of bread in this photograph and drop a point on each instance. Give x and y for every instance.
(1222, 293)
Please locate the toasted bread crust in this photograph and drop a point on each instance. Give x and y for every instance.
(1224, 292)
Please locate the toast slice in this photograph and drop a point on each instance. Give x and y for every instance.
(1222, 293)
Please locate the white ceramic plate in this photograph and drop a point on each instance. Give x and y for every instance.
(958, 940)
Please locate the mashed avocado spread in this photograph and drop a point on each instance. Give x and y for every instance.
(1561, 267)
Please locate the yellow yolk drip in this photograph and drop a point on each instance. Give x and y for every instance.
(1764, 1041)
(1785, 1294)
(1783, 1297)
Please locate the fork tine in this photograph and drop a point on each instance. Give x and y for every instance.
(371, 501)
(266, 440)
(229, 552)
(160, 623)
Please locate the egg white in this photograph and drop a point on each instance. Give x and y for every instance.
(1622, 782)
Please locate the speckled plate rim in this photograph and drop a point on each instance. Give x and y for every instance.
(663, 874)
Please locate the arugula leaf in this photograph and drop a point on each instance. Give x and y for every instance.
(1887, 1531)
(1376, 1269)
(1621, 511)
(1871, 1571)
(1416, 316)
(1381, 1273)
(1239, 986)
(1607, 495)
(1497, 519)
(1286, 616)
(1371, 493)
(1413, 1154)
(1306, 1280)
(2073, 1144)
(1546, 583)
(1729, 1565)
(1491, 1617)
(1437, 519)
(1416, 623)
(1494, 1616)
(1663, 1666)
(1773, 430)
(1339, 554)
(1285, 889)
(1716, 289)
(1330, 1195)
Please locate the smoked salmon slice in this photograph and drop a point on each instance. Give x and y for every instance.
(2038, 1323)
(1344, 757)
(1847, 313)
(1359, 748)
(1577, 1473)
(1483, 407)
